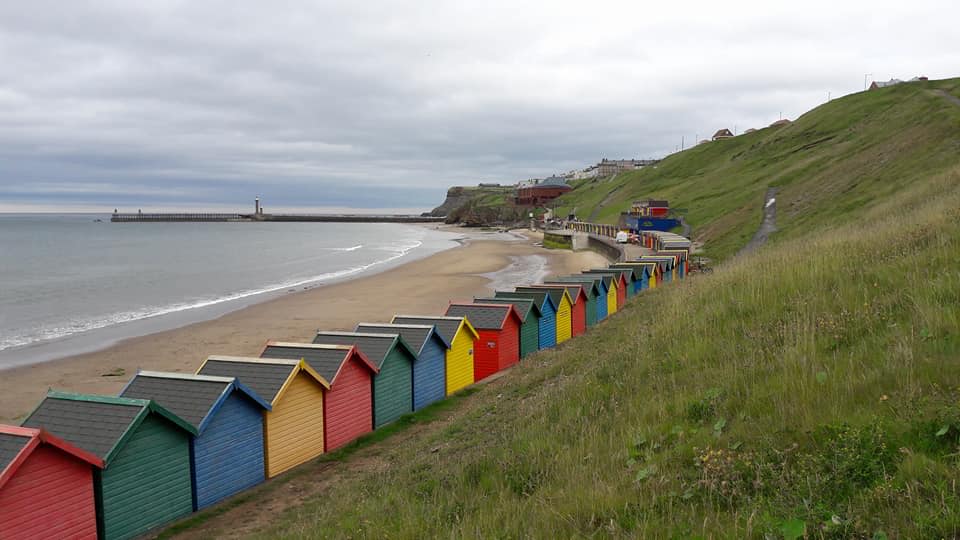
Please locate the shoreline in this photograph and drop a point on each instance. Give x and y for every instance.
(424, 285)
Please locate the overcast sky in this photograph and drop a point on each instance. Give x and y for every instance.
(369, 104)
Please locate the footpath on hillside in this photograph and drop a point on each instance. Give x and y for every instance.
(767, 227)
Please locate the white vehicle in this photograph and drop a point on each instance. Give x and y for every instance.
(623, 237)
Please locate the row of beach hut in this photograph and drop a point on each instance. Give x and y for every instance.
(113, 467)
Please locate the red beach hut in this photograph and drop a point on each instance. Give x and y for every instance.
(46, 486)
(499, 328)
(348, 404)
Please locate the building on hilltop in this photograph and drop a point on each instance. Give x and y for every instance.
(610, 167)
(543, 192)
(722, 134)
(883, 84)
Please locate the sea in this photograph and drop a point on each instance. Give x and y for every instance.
(77, 283)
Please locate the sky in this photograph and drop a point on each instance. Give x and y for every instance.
(164, 104)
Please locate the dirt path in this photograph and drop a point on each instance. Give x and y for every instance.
(767, 226)
(949, 97)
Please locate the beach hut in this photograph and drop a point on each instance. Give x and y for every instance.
(619, 281)
(46, 486)
(564, 304)
(596, 295)
(667, 264)
(680, 255)
(609, 288)
(498, 326)
(145, 451)
(293, 428)
(578, 308)
(529, 314)
(547, 325)
(462, 337)
(640, 275)
(654, 271)
(393, 383)
(227, 452)
(348, 402)
(428, 371)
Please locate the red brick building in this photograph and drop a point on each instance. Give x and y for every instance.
(542, 193)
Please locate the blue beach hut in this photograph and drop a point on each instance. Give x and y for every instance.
(429, 370)
(547, 325)
(227, 453)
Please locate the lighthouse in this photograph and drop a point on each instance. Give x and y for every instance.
(256, 207)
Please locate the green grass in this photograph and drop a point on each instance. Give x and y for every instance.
(814, 385)
(844, 155)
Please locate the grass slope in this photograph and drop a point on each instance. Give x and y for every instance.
(849, 153)
(813, 386)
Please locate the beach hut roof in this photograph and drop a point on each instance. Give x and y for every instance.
(592, 281)
(575, 290)
(100, 425)
(376, 347)
(268, 377)
(556, 292)
(539, 297)
(606, 278)
(524, 305)
(485, 316)
(446, 326)
(326, 358)
(195, 398)
(417, 335)
(638, 270)
(618, 272)
(17, 443)
(667, 261)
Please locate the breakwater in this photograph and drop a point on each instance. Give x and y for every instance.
(140, 217)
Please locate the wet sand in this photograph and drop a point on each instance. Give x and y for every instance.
(423, 286)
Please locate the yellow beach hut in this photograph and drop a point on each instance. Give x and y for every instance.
(561, 298)
(293, 430)
(462, 337)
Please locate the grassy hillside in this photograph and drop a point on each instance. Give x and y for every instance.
(810, 388)
(849, 153)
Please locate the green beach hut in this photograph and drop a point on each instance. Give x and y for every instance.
(146, 480)
(529, 313)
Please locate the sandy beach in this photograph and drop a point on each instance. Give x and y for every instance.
(424, 286)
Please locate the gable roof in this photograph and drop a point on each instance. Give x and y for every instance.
(594, 283)
(17, 443)
(447, 326)
(100, 425)
(195, 398)
(574, 290)
(638, 270)
(268, 377)
(376, 347)
(667, 260)
(485, 316)
(326, 359)
(541, 298)
(557, 293)
(524, 305)
(416, 335)
(609, 276)
(618, 273)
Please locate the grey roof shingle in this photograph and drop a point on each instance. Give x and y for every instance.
(593, 283)
(615, 273)
(523, 305)
(89, 425)
(485, 316)
(606, 278)
(374, 347)
(326, 362)
(446, 326)
(263, 378)
(10, 446)
(538, 296)
(416, 335)
(190, 399)
(556, 293)
(573, 289)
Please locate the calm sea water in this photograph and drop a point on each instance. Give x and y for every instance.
(69, 284)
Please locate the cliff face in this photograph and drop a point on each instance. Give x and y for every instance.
(479, 205)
